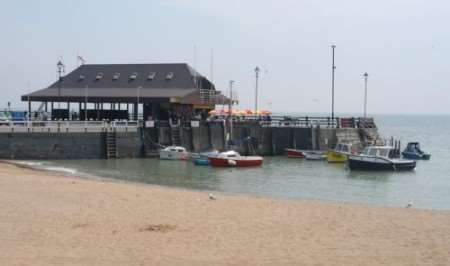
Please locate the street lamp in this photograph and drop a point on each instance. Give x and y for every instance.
(366, 76)
(256, 89)
(230, 106)
(230, 102)
(60, 70)
(333, 67)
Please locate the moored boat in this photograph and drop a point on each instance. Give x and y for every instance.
(203, 161)
(202, 158)
(379, 158)
(174, 153)
(234, 159)
(339, 154)
(294, 153)
(414, 152)
(315, 156)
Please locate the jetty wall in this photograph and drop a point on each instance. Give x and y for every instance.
(248, 137)
(36, 146)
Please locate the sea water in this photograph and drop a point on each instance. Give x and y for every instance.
(426, 187)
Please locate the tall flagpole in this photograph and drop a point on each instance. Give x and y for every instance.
(366, 76)
(211, 76)
(333, 67)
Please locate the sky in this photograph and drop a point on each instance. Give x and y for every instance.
(402, 44)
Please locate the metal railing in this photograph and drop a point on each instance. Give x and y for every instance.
(302, 121)
(67, 126)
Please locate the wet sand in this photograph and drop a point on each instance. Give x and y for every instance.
(47, 218)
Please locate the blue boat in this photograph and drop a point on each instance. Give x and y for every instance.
(414, 152)
(202, 158)
(203, 161)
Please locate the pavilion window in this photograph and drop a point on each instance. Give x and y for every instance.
(169, 76)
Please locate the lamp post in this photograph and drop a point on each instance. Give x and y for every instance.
(366, 76)
(60, 70)
(256, 89)
(333, 67)
(230, 106)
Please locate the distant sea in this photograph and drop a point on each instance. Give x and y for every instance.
(426, 187)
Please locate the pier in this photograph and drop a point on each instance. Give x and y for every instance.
(134, 139)
(132, 110)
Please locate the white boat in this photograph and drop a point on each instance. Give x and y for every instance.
(315, 156)
(174, 153)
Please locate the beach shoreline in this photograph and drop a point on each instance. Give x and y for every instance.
(48, 218)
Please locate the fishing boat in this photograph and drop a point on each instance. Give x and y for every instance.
(294, 153)
(414, 152)
(315, 156)
(174, 153)
(234, 159)
(379, 158)
(339, 154)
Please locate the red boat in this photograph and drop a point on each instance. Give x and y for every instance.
(294, 153)
(234, 159)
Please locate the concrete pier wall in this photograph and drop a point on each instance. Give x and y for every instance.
(164, 136)
(52, 146)
(186, 138)
(129, 145)
(35, 146)
(201, 140)
(282, 138)
(217, 136)
(248, 137)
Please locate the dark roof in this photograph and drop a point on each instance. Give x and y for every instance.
(120, 82)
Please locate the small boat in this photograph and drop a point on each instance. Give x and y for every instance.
(339, 154)
(202, 159)
(294, 153)
(379, 158)
(234, 159)
(174, 153)
(414, 152)
(315, 156)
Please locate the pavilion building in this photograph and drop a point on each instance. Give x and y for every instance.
(127, 91)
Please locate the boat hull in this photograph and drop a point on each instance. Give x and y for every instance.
(315, 157)
(201, 161)
(225, 162)
(380, 165)
(336, 157)
(169, 155)
(293, 153)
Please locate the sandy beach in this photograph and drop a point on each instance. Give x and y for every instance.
(47, 218)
